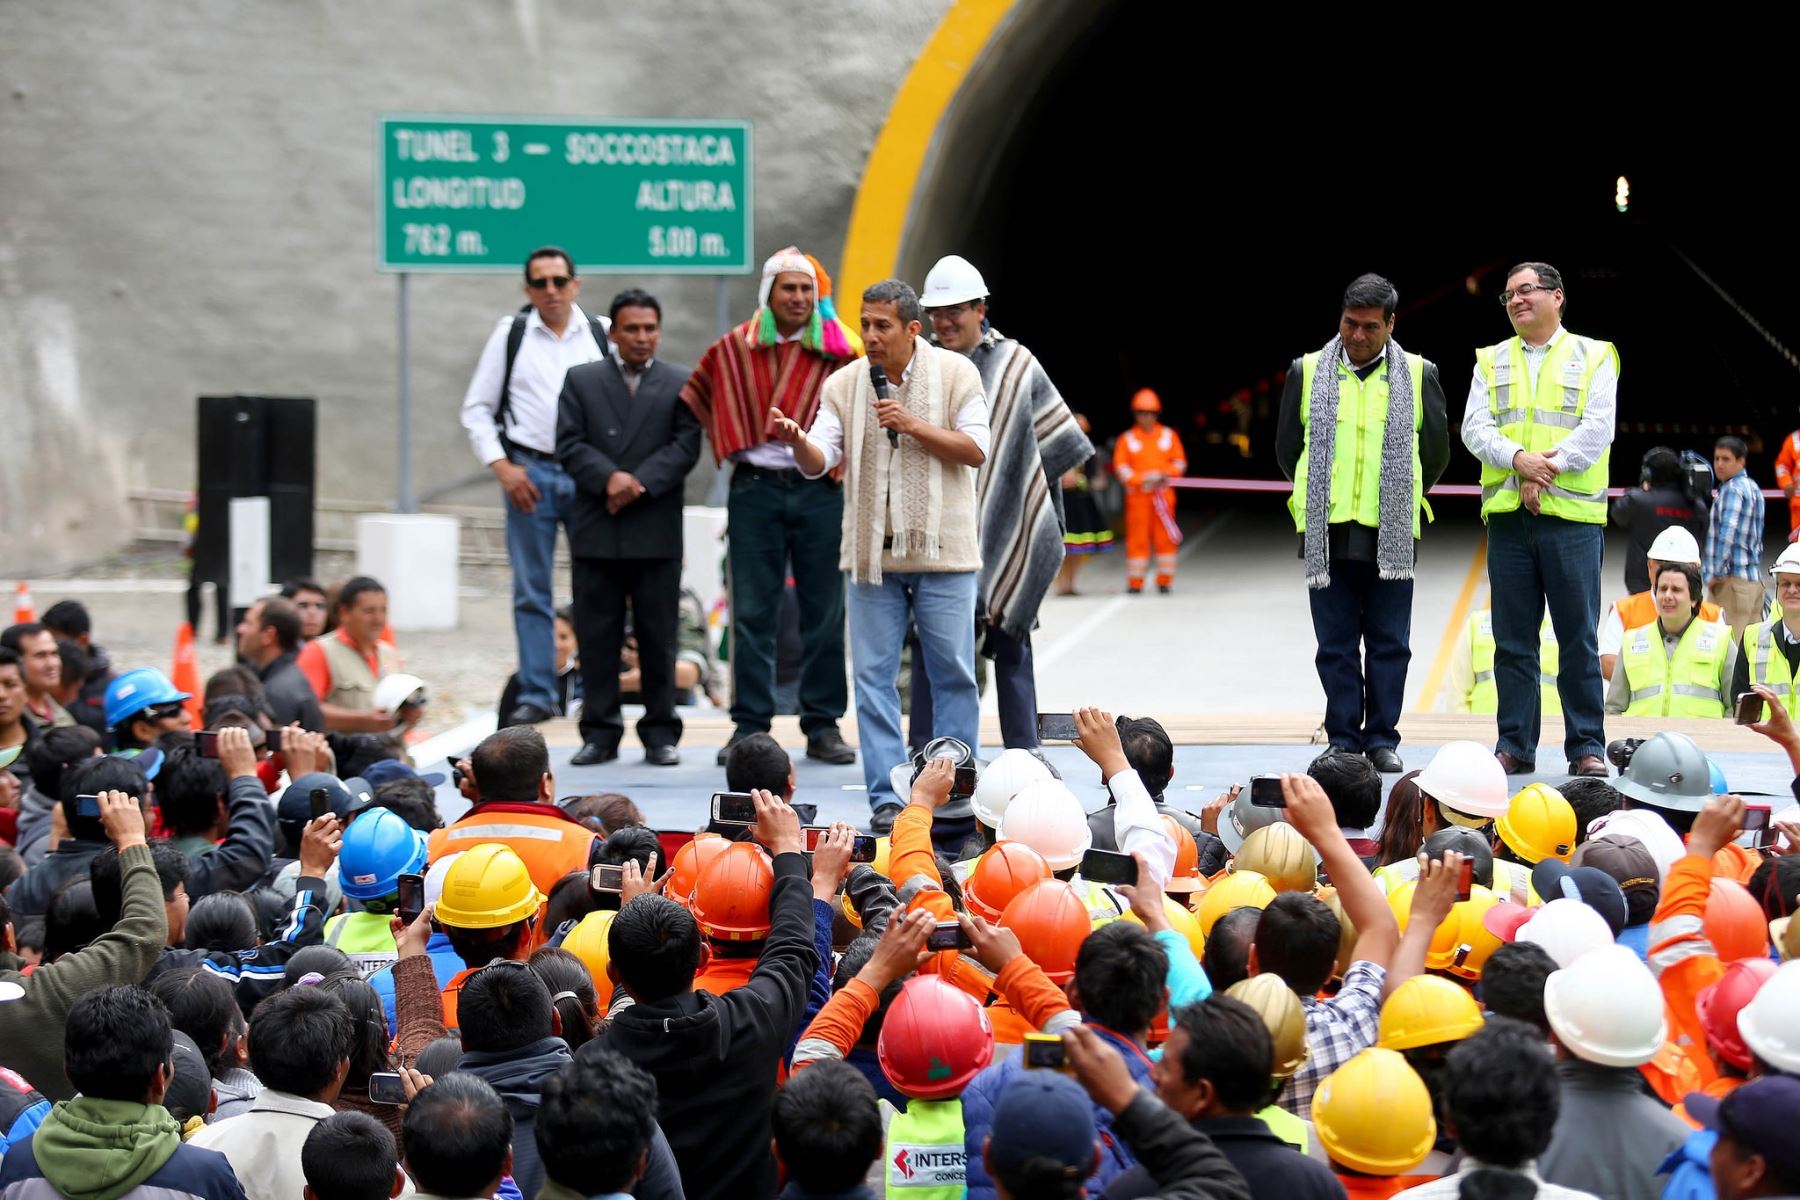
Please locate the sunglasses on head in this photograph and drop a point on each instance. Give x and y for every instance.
(538, 285)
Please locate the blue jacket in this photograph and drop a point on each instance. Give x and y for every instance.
(984, 1090)
(445, 964)
(1689, 1168)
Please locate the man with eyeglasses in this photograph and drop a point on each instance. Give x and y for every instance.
(1540, 419)
(510, 412)
(1035, 439)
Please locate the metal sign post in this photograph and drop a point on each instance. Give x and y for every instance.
(403, 499)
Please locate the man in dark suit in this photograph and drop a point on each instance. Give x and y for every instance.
(625, 437)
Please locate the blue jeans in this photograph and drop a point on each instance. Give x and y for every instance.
(1363, 624)
(942, 605)
(1531, 561)
(531, 545)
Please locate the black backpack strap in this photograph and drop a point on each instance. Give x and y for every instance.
(515, 337)
(600, 338)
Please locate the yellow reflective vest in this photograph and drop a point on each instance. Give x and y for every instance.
(1356, 450)
(925, 1158)
(1685, 684)
(1768, 665)
(1539, 415)
(1484, 697)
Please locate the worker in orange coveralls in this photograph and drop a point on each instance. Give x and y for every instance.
(1145, 458)
(1787, 474)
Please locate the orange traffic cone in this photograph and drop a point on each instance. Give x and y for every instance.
(24, 611)
(185, 674)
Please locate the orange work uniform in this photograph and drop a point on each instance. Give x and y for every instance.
(1149, 513)
(1787, 474)
(547, 840)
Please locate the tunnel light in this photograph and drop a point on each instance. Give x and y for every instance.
(1622, 194)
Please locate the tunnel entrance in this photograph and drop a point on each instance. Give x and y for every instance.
(1156, 204)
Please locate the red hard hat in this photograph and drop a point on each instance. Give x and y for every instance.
(1146, 400)
(690, 860)
(1719, 1003)
(731, 898)
(1735, 923)
(934, 1039)
(1003, 871)
(1051, 920)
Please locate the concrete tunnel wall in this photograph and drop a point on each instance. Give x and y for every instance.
(185, 209)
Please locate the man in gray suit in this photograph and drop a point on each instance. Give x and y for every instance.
(627, 440)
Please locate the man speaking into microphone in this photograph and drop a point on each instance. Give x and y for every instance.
(911, 428)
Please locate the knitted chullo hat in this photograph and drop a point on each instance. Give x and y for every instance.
(824, 333)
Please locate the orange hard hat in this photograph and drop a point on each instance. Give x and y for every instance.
(1719, 1003)
(731, 898)
(689, 861)
(1186, 876)
(1735, 923)
(1145, 400)
(1051, 920)
(1003, 871)
(934, 1039)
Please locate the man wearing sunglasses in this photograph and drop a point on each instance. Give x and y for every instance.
(510, 415)
(1540, 419)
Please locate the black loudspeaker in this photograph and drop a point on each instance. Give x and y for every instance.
(256, 446)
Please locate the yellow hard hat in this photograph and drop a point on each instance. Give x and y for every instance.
(1240, 889)
(1181, 920)
(587, 941)
(487, 888)
(1346, 931)
(1427, 1010)
(1282, 855)
(1471, 942)
(1373, 1114)
(884, 848)
(1275, 1002)
(1538, 824)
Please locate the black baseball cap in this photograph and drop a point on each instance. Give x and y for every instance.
(1553, 879)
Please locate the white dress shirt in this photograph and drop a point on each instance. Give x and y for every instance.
(1577, 452)
(535, 386)
(827, 433)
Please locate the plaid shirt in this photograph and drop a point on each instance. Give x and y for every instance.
(1734, 542)
(1336, 1031)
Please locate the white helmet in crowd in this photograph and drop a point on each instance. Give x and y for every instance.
(1467, 777)
(1047, 817)
(396, 690)
(1788, 562)
(1001, 781)
(1647, 828)
(1568, 930)
(434, 877)
(1675, 545)
(1770, 1023)
(952, 280)
(1607, 1008)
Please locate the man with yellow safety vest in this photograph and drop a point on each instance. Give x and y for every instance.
(1362, 441)
(1540, 419)
(1770, 651)
(1672, 545)
(1471, 680)
(1679, 665)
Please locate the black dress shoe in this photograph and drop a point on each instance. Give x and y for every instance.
(1591, 765)
(881, 821)
(1386, 760)
(1339, 748)
(737, 735)
(593, 753)
(662, 756)
(529, 714)
(828, 745)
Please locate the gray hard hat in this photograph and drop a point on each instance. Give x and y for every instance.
(1243, 818)
(1668, 771)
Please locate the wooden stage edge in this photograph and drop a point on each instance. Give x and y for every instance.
(1247, 729)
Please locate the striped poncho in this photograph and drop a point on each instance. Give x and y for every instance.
(743, 373)
(1033, 440)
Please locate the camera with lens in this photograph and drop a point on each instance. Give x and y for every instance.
(1619, 752)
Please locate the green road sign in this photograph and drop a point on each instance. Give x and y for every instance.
(458, 193)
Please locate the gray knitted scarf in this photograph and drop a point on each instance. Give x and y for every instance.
(1394, 541)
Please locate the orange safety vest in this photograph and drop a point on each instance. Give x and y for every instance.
(724, 974)
(1640, 609)
(547, 840)
(451, 991)
(1138, 453)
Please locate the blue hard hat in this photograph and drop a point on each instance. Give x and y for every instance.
(1719, 786)
(379, 847)
(136, 690)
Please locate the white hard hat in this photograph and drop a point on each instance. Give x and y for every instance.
(1607, 1008)
(395, 690)
(1568, 930)
(1467, 777)
(952, 281)
(434, 876)
(1788, 562)
(1001, 781)
(1047, 817)
(1675, 545)
(1645, 827)
(1770, 1023)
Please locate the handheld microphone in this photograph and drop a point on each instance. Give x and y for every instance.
(879, 378)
